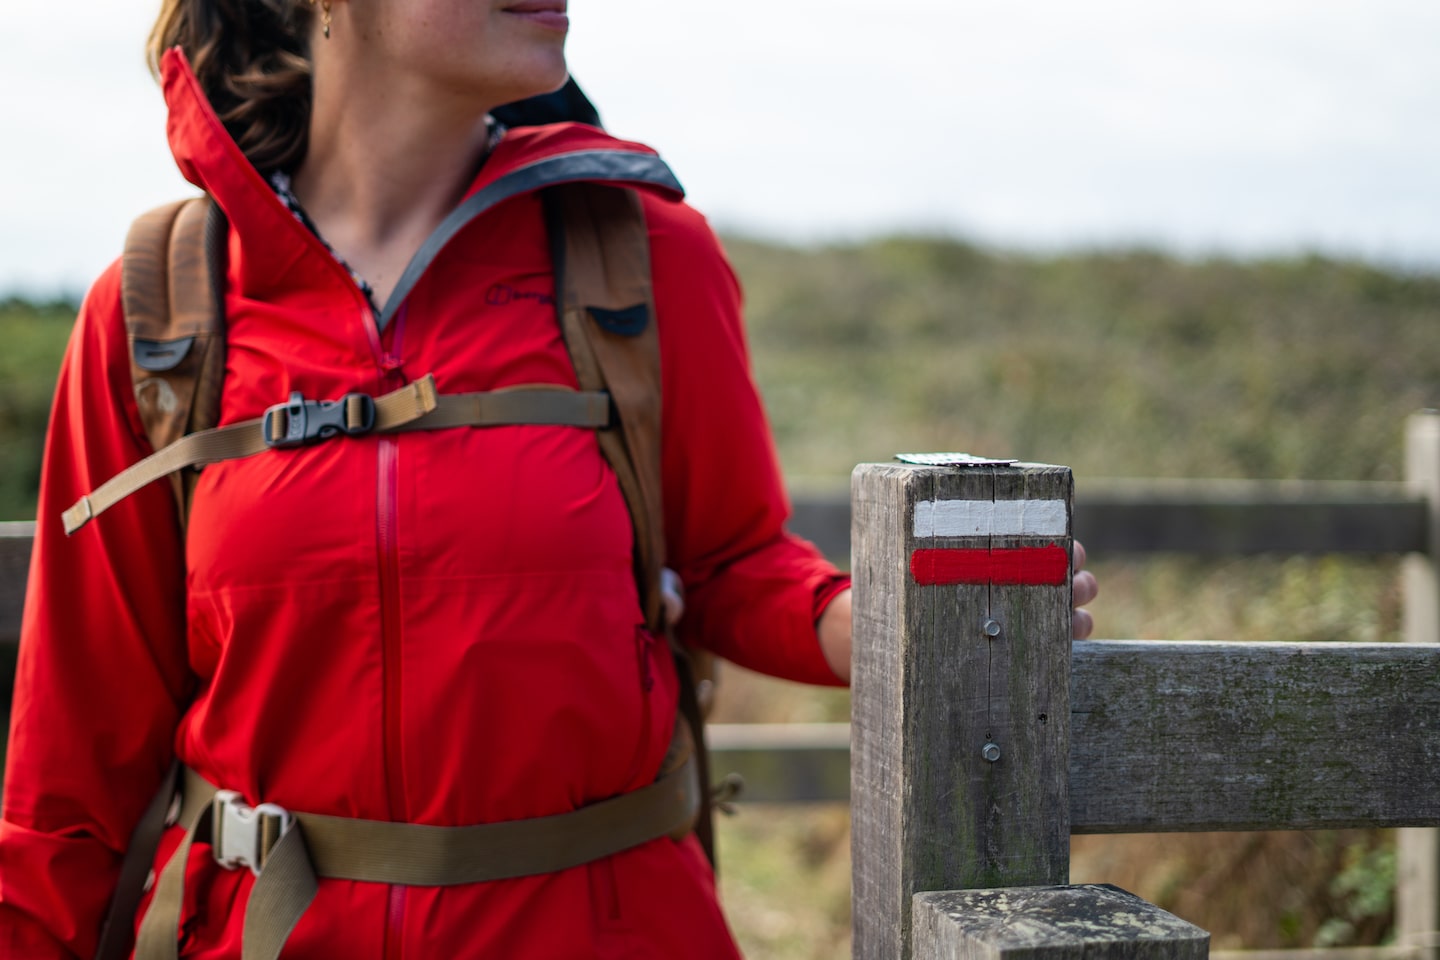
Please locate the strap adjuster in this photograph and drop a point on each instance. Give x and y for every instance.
(298, 421)
(242, 835)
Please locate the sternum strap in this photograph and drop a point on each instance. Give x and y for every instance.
(416, 406)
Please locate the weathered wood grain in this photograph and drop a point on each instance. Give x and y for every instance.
(1417, 895)
(1223, 745)
(1218, 736)
(1235, 736)
(879, 493)
(1089, 922)
(932, 690)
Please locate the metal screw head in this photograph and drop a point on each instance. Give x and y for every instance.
(992, 628)
(991, 752)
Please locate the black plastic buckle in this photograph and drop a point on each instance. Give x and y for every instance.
(306, 421)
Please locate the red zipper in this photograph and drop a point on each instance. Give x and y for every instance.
(395, 923)
(391, 631)
(387, 509)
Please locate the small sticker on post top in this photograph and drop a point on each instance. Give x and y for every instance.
(951, 460)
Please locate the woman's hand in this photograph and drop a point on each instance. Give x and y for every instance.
(1083, 589)
(835, 623)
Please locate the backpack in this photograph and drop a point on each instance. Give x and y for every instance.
(172, 289)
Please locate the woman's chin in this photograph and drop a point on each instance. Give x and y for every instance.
(538, 73)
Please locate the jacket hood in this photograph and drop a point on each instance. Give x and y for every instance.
(209, 158)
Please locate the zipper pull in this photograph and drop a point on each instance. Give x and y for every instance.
(643, 642)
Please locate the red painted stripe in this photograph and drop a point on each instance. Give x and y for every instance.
(1022, 566)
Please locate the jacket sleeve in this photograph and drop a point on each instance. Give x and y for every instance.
(753, 591)
(102, 673)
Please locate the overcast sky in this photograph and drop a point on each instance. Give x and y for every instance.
(1241, 126)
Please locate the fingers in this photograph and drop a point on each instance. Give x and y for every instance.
(1083, 589)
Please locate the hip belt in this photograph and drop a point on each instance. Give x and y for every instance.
(288, 851)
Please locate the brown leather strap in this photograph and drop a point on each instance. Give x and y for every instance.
(601, 254)
(380, 851)
(172, 291)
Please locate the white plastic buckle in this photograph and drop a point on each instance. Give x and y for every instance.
(237, 834)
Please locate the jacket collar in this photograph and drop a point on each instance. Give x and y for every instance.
(277, 249)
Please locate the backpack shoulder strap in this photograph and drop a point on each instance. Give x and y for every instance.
(600, 249)
(601, 252)
(172, 289)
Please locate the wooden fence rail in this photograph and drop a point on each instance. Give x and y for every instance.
(1228, 736)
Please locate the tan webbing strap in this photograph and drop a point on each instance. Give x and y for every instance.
(415, 406)
(238, 440)
(381, 851)
(280, 896)
(602, 257)
(535, 404)
(159, 934)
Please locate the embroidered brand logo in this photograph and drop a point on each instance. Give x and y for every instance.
(502, 294)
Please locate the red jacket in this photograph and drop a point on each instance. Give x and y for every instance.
(439, 627)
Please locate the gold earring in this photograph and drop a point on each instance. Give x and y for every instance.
(324, 16)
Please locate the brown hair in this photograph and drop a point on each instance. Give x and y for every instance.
(252, 60)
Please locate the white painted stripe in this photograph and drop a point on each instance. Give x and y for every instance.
(990, 518)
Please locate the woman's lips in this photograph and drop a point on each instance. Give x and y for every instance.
(544, 13)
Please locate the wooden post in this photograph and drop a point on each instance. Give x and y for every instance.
(15, 543)
(960, 707)
(1052, 923)
(1417, 894)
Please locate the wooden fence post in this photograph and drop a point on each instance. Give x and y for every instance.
(960, 707)
(1092, 922)
(1417, 894)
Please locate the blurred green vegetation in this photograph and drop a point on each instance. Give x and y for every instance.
(1120, 363)
(1117, 364)
(34, 336)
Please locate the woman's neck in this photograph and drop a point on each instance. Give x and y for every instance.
(385, 164)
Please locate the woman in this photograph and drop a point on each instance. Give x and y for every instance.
(439, 627)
